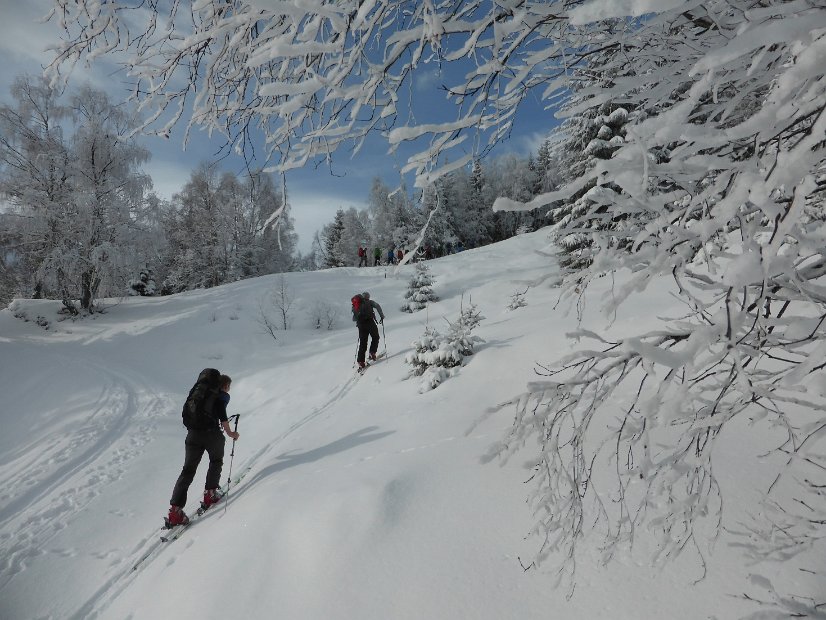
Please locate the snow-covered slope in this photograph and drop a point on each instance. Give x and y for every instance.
(365, 499)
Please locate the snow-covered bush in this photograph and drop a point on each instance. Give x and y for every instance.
(459, 337)
(518, 300)
(435, 354)
(420, 291)
(144, 285)
(423, 349)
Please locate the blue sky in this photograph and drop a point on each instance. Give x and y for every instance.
(315, 193)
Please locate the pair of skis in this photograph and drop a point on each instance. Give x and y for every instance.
(169, 534)
(367, 365)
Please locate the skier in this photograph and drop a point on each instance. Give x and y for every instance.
(362, 256)
(203, 434)
(391, 256)
(365, 320)
(377, 257)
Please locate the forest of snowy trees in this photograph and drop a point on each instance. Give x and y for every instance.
(693, 150)
(81, 221)
(455, 211)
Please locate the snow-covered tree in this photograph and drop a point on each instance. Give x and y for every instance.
(518, 300)
(71, 174)
(420, 290)
(8, 277)
(423, 347)
(36, 175)
(434, 354)
(717, 181)
(458, 337)
(473, 215)
(273, 242)
(220, 229)
(382, 213)
(439, 231)
(334, 253)
(144, 285)
(355, 232)
(197, 244)
(108, 189)
(593, 130)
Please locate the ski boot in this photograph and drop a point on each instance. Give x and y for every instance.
(176, 517)
(211, 497)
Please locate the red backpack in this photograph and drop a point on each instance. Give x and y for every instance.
(361, 251)
(361, 308)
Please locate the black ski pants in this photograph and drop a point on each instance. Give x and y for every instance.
(368, 328)
(198, 441)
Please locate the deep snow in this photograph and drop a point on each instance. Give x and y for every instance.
(365, 499)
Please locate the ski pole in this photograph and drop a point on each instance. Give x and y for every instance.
(384, 337)
(231, 458)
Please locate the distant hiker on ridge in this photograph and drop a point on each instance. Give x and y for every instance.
(365, 320)
(204, 415)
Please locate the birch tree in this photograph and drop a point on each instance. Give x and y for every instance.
(72, 176)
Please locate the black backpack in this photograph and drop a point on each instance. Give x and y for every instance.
(362, 310)
(197, 412)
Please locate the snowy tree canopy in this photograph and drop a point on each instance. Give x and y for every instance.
(316, 75)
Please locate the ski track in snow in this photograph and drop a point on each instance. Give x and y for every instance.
(150, 547)
(44, 495)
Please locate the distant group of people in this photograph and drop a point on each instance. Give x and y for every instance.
(392, 257)
(427, 252)
(395, 256)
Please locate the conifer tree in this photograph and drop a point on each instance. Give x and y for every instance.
(334, 257)
(420, 291)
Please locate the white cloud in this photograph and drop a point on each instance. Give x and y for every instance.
(23, 35)
(311, 210)
(427, 80)
(168, 176)
(24, 42)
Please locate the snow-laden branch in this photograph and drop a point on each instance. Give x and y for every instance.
(315, 75)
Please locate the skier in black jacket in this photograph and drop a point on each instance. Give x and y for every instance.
(365, 320)
(203, 435)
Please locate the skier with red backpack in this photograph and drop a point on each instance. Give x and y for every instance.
(365, 320)
(204, 415)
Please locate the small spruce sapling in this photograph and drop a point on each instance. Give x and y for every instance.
(518, 300)
(423, 349)
(434, 354)
(420, 291)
